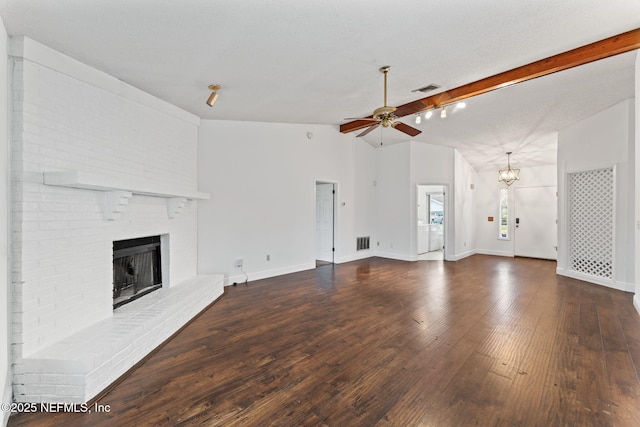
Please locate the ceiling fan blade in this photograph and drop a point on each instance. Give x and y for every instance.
(367, 130)
(411, 131)
(369, 119)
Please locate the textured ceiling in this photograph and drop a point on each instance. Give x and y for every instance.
(317, 61)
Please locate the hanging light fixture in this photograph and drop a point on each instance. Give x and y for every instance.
(508, 175)
(214, 95)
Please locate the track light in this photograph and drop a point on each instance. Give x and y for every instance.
(214, 95)
(443, 113)
(460, 105)
(418, 119)
(428, 114)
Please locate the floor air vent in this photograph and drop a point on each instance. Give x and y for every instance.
(362, 243)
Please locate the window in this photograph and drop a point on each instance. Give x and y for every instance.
(503, 229)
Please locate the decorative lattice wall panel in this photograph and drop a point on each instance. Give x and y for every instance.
(591, 212)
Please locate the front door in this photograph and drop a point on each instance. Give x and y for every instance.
(536, 230)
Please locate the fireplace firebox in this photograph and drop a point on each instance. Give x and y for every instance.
(136, 269)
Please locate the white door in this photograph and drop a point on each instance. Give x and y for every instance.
(536, 231)
(324, 221)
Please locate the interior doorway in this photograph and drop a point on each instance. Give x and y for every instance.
(325, 222)
(431, 216)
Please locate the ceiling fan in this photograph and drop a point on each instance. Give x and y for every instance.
(385, 115)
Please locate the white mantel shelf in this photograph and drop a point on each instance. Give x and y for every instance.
(119, 191)
(90, 181)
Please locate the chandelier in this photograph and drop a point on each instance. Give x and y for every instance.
(508, 175)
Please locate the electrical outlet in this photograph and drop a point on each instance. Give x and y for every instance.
(239, 262)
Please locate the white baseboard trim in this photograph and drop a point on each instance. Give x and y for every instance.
(355, 257)
(398, 257)
(494, 253)
(462, 255)
(265, 274)
(592, 279)
(636, 302)
(628, 287)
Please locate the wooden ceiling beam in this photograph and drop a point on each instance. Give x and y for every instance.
(621, 43)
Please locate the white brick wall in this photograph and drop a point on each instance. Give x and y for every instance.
(62, 243)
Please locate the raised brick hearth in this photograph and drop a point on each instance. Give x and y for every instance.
(79, 366)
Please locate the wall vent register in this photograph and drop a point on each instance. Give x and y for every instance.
(362, 243)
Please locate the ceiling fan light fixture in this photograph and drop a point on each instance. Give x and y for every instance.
(385, 116)
(214, 95)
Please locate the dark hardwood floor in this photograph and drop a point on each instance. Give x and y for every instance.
(485, 341)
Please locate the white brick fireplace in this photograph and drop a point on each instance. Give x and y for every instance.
(94, 161)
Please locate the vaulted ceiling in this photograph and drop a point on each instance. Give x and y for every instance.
(316, 62)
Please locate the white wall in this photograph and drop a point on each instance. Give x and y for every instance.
(395, 209)
(465, 219)
(603, 140)
(262, 180)
(5, 296)
(636, 298)
(363, 220)
(487, 205)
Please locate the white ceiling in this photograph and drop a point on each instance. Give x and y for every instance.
(317, 61)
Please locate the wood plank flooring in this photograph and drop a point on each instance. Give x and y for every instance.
(485, 341)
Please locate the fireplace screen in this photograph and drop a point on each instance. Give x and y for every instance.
(136, 269)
